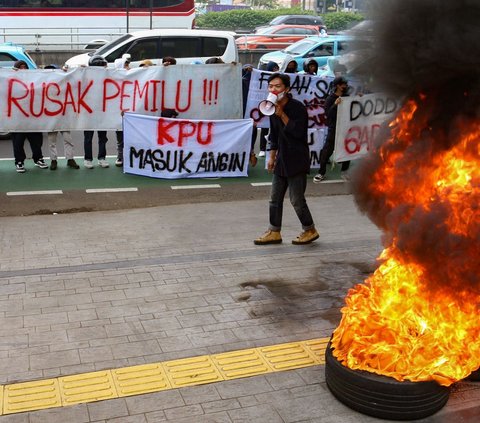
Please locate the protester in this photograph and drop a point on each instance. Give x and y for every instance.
(95, 60)
(289, 65)
(67, 140)
(289, 161)
(310, 67)
(340, 89)
(272, 67)
(146, 63)
(123, 63)
(35, 139)
(214, 61)
(169, 60)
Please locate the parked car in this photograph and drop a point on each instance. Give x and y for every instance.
(275, 37)
(186, 45)
(10, 53)
(95, 44)
(299, 20)
(320, 48)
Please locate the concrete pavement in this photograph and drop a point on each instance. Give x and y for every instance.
(86, 292)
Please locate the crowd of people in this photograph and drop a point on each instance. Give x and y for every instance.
(288, 151)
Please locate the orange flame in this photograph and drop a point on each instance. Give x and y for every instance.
(417, 317)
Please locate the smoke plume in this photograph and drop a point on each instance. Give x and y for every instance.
(427, 51)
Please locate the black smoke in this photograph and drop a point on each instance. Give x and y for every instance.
(428, 51)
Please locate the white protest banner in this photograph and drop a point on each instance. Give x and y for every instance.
(358, 121)
(93, 98)
(180, 148)
(310, 90)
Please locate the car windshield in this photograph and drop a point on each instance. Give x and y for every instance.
(300, 47)
(276, 20)
(107, 47)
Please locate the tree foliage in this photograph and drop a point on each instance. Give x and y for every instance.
(249, 19)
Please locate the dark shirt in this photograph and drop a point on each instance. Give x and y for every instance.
(291, 140)
(331, 110)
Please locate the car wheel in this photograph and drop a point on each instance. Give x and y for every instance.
(381, 396)
(323, 31)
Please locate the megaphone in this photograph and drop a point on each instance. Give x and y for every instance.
(267, 107)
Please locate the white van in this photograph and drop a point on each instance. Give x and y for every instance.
(185, 45)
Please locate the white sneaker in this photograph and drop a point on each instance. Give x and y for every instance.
(119, 162)
(318, 178)
(261, 154)
(103, 163)
(88, 164)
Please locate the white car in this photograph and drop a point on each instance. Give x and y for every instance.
(185, 45)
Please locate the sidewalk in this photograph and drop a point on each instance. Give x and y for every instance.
(85, 292)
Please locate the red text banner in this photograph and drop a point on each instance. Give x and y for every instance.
(309, 89)
(180, 148)
(358, 122)
(94, 98)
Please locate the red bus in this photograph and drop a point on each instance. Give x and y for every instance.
(90, 18)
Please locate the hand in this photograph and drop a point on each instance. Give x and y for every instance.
(270, 164)
(338, 101)
(253, 160)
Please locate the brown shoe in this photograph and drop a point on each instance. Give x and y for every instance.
(269, 237)
(53, 164)
(306, 237)
(73, 164)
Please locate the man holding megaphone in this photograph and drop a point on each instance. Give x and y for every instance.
(289, 160)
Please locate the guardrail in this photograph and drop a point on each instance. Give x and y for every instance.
(76, 38)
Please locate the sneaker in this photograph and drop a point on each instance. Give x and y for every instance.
(103, 163)
(119, 162)
(53, 165)
(269, 237)
(41, 164)
(261, 154)
(318, 178)
(88, 164)
(345, 176)
(19, 167)
(306, 237)
(72, 164)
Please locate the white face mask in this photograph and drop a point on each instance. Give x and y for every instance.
(280, 95)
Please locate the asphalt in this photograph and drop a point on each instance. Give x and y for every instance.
(109, 289)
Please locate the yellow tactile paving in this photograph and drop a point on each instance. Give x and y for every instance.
(237, 364)
(317, 347)
(288, 356)
(28, 396)
(154, 377)
(137, 380)
(87, 387)
(192, 371)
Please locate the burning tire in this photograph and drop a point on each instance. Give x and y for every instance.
(381, 396)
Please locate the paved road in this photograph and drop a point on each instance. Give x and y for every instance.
(83, 292)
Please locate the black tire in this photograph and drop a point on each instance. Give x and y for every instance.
(474, 376)
(381, 396)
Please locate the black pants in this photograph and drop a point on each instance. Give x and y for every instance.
(34, 138)
(327, 151)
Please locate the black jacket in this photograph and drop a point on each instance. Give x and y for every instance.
(291, 140)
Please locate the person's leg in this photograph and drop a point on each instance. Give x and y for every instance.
(18, 139)
(52, 145)
(345, 166)
(327, 151)
(87, 145)
(119, 135)
(297, 186)
(36, 140)
(279, 188)
(102, 145)
(263, 139)
(68, 144)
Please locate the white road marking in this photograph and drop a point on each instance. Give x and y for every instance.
(195, 186)
(18, 193)
(100, 190)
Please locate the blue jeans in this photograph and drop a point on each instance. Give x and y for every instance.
(87, 144)
(296, 187)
